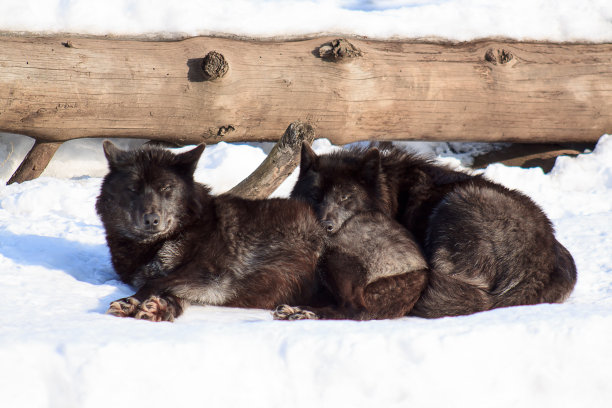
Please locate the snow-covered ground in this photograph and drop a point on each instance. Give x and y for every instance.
(59, 349)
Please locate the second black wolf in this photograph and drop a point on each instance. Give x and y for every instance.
(178, 244)
(487, 246)
(372, 265)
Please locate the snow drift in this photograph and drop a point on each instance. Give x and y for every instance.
(59, 349)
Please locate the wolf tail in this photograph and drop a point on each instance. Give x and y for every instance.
(563, 278)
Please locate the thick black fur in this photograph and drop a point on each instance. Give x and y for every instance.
(179, 245)
(487, 246)
(372, 264)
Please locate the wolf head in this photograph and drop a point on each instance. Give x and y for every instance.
(340, 185)
(148, 193)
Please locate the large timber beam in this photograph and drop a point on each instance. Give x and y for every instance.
(59, 88)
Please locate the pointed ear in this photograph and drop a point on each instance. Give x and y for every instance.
(113, 153)
(188, 161)
(370, 167)
(308, 160)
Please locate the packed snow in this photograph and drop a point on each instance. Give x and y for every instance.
(59, 349)
(460, 20)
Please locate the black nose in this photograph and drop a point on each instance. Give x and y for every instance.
(151, 220)
(328, 225)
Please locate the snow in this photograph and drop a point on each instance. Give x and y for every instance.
(461, 20)
(59, 349)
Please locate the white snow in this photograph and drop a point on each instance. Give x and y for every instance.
(461, 20)
(59, 349)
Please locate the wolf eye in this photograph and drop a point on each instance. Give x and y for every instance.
(133, 189)
(345, 197)
(164, 188)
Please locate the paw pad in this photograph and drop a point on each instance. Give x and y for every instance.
(286, 312)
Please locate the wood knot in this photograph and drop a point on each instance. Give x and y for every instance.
(224, 130)
(214, 66)
(338, 50)
(498, 56)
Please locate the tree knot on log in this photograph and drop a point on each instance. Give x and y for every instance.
(224, 130)
(498, 56)
(214, 66)
(339, 50)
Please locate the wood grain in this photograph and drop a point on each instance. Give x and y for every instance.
(56, 90)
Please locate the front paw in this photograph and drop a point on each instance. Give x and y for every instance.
(126, 307)
(286, 312)
(155, 309)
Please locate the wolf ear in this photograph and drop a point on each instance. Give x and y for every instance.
(308, 160)
(188, 161)
(113, 153)
(370, 167)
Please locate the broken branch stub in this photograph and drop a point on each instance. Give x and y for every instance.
(339, 50)
(279, 164)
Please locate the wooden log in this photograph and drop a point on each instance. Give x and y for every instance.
(57, 89)
(278, 165)
(35, 161)
(530, 155)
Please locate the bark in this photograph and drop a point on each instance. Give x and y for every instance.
(35, 162)
(280, 163)
(57, 89)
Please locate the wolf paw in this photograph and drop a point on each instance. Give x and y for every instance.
(286, 312)
(154, 309)
(126, 307)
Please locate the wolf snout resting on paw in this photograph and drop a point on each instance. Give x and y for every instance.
(180, 245)
(486, 246)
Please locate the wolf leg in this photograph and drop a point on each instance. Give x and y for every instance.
(286, 312)
(386, 298)
(159, 309)
(152, 302)
(126, 307)
(393, 296)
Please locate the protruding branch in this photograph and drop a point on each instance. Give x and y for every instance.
(214, 66)
(280, 163)
(35, 162)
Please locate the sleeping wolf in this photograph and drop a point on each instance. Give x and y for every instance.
(371, 264)
(487, 246)
(178, 244)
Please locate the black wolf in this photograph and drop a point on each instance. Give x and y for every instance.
(487, 246)
(178, 244)
(372, 265)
